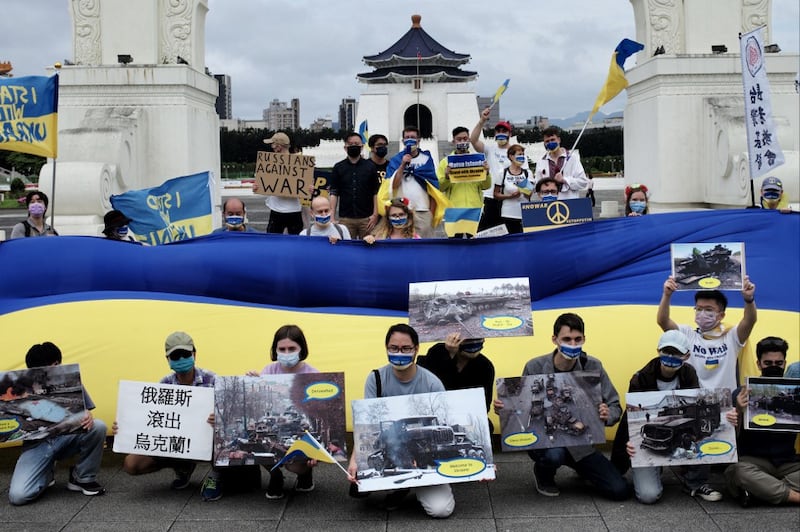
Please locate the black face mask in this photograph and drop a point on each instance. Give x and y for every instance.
(354, 151)
(772, 371)
(381, 151)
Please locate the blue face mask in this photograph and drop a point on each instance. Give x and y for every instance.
(670, 361)
(549, 197)
(501, 137)
(638, 206)
(570, 351)
(234, 221)
(323, 220)
(410, 144)
(521, 159)
(398, 222)
(122, 231)
(289, 360)
(472, 348)
(771, 194)
(182, 365)
(550, 146)
(400, 361)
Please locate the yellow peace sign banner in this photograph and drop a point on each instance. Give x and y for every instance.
(549, 214)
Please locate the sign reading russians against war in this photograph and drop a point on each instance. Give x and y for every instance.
(290, 175)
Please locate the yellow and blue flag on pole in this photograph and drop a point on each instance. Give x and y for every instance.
(363, 130)
(458, 220)
(307, 446)
(29, 115)
(616, 73)
(500, 90)
(179, 209)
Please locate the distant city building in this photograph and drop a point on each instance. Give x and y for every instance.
(238, 124)
(224, 101)
(280, 115)
(321, 123)
(610, 123)
(539, 122)
(347, 114)
(494, 116)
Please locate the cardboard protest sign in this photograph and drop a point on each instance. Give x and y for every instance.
(406, 441)
(706, 266)
(466, 167)
(290, 175)
(258, 418)
(549, 214)
(555, 410)
(681, 427)
(476, 308)
(164, 420)
(39, 403)
(774, 404)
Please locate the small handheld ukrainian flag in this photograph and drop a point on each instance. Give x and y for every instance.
(500, 90)
(616, 73)
(309, 447)
(363, 130)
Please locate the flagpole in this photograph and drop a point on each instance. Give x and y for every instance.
(419, 57)
(53, 200)
(575, 146)
(335, 461)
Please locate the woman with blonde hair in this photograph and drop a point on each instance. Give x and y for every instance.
(397, 224)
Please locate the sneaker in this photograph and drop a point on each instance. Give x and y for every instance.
(305, 482)
(745, 499)
(87, 488)
(183, 475)
(394, 499)
(705, 492)
(211, 490)
(546, 487)
(275, 486)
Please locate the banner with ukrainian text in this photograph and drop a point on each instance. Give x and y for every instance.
(29, 115)
(179, 209)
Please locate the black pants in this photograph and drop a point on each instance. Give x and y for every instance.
(291, 221)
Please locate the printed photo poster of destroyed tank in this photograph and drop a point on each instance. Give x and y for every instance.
(708, 266)
(256, 419)
(774, 404)
(553, 410)
(475, 308)
(407, 441)
(39, 403)
(681, 427)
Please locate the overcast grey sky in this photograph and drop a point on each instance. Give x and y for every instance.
(312, 49)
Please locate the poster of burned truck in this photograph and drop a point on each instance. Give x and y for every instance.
(774, 404)
(475, 308)
(552, 410)
(256, 419)
(39, 403)
(425, 439)
(681, 427)
(708, 266)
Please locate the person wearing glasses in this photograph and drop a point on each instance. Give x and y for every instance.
(768, 469)
(354, 185)
(398, 223)
(402, 376)
(636, 200)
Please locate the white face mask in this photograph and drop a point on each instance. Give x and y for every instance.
(290, 359)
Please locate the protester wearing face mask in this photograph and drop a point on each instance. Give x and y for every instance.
(514, 187)
(496, 153)
(354, 185)
(116, 227)
(322, 223)
(378, 150)
(562, 165)
(773, 196)
(715, 345)
(234, 217)
(547, 189)
(35, 224)
(769, 468)
(587, 461)
(402, 376)
(635, 200)
(398, 224)
(460, 364)
(462, 195)
(667, 371)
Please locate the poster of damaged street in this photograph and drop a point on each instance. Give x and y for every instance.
(551, 410)
(425, 439)
(774, 404)
(475, 308)
(39, 403)
(681, 427)
(256, 419)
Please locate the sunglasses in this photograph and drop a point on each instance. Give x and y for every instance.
(179, 354)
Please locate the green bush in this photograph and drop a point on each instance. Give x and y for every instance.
(17, 187)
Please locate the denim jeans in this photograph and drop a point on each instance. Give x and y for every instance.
(647, 484)
(595, 468)
(34, 469)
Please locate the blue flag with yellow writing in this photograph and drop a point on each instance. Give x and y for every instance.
(179, 209)
(29, 115)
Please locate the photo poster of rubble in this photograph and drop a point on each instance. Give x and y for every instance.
(475, 308)
(551, 410)
(426, 439)
(256, 419)
(681, 427)
(39, 403)
(708, 266)
(774, 404)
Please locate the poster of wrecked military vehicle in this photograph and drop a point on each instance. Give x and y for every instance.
(681, 427)
(256, 419)
(426, 439)
(475, 308)
(708, 266)
(39, 403)
(552, 410)
(774, 404)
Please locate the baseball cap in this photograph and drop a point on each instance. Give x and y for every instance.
(178, 340)
(674, 338)
(503, 124)
(772, 183)
(279, 138)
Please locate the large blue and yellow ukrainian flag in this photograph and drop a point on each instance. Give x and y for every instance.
(179, 209)
(29, 115)
(616, 73)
